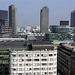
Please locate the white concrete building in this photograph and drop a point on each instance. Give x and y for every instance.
(38, 61)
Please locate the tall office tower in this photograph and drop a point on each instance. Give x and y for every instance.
(3, 15)
(44, 20)
(13, 18)
(73, 18)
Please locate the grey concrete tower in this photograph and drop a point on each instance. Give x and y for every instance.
(13, 18)
(44, 20)
(73, 18)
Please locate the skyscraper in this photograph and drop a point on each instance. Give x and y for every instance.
(13, 18)
(73, 18)
(44, 20)
(3, 15)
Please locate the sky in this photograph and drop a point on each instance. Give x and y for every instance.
(29, 10)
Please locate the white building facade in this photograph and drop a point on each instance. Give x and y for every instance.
(37, 62)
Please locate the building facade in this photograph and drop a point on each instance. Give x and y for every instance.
(3, 15)
(34, 62)
(62, 32)
(4, 61)
(64, 22)
(66, 59)
(44, 20)
(13, 18)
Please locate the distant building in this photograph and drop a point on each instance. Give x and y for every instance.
(73, 18)
(13, 18)
(28, 28)
(64, 22)
(3, 15)
(44, 20)
(4, 28)
(66, 59)
(61, 33)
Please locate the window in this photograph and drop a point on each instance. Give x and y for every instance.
(13, 73)
(54, 54)
(36, 64)
(50, 54)
(21, 64)
(13, 69)
(50, 72)
(50, 63)
(36, 73)
(21, 59)
(14, 60)
(21, 55)
(36, 69)
(44, 59)
(28, 69)
(35, 55)
(28, 55)
(14, 55)
(51, 59)
(43, 73)
(28, 64)
(19, 73)
(36, 59)
(28, 60)
(21, 69)
(45, 55)
(44, 68)
(14, 64)
(44, 63)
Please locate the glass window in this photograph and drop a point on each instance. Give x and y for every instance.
(35, 55)
(14, 60)
(21, 55)
(28, 69)
(14, 55)
(13, 69)
(45, 55)
(14, 64)
(19, 73)
(21, 59)
(36, 59)
(21, 69)
(13, 73)
(28, 64)
(44, 59)
(36, 68)
(44, 63)
(50, 54)
(28, 60)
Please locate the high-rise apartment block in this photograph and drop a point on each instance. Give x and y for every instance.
(13, 18)
(3, 15)
(73, 18)
(44, 20)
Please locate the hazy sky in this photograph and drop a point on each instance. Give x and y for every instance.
(29, 10)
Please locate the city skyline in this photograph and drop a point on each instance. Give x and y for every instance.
(29, 11)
